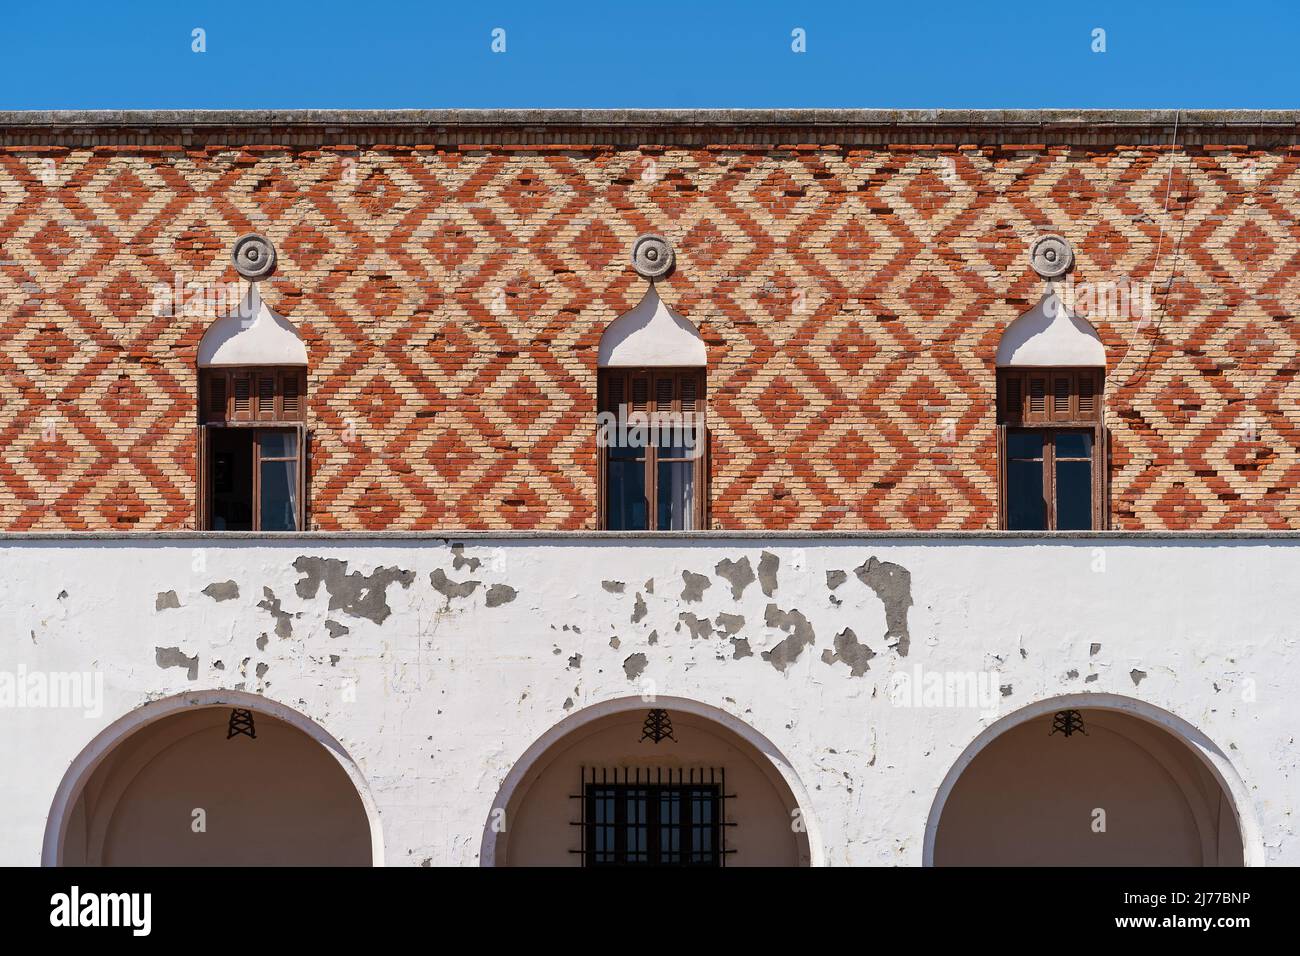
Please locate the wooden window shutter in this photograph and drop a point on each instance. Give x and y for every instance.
(242, 387)
(640, 393)
(1087, 395)
(664, 393)
(1037, 404)
(1013, 398)
(1061, 391)
(291, 394)
(690, 393)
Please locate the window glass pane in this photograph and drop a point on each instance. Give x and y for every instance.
(279, 505)
(626, 508)
(1073, 495)
(1073, 445)
(1026, 509)
(1024, 444)
(279, 444)
(676, 495)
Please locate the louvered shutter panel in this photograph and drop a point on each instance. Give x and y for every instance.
(1013, 398)
(1037, 410)
(640, 393)
(290, 394)
(216, 408)
(690, 393)
(1088, 395)
(242, 386)
(664, 393)
(266, 411)
(1061, 390)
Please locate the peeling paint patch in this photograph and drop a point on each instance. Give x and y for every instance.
(634, 665)
(1005, 690)
(893, 585)
(740, 648)
(694, 586)
(768, 564)
(222, 590)
(575, 662)
(614, 642)
(1137, 676)
(1093, 650)
(172, 657)
(165, 600)
(262, 668)
(499, 594)
(458, 559)
(361, 595)
(800, 636)
(336, 629)
(848, 650)
(738, 574)
(650, 586)
(613, 587)
(283, 619)
(1090, 678)
(653, 638)
(449, 588)
(262, 640)
(699, 627)
(639, 609)
(730, 624)
(835, 578)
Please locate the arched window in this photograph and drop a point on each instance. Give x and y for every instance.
(652, 431)
(1051, 431)
(252, 422)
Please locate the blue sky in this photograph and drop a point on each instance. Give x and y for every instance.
(663, 53)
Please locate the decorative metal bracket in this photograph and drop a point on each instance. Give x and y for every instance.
(241, 722)
(1067, 722)
(658, 726)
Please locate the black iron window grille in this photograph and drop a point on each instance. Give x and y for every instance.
(653, 816)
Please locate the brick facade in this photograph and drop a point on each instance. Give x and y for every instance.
(452, 292)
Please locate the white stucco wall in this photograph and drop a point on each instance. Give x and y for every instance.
(436, 701)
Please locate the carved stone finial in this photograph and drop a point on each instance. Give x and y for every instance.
(1051, 256)
(652, 256)
(253, 256)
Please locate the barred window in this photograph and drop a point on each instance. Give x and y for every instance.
(653, 817)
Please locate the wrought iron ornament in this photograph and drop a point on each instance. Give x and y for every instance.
(658, 726)
(241, 722)
(1067, 722)
(1051, 256)
(653, 256)
(253, 256)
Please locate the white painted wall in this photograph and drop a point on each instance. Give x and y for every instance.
(651, 335)
(1050, 334)
(254, 334)
(437, 702)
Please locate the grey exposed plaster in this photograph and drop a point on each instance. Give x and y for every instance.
(222, 590)
(835, 578)
(730, 624)
(283, 619)
(1093, 650)
(459, 560)
(1090, 678)
(262, 641)
(849, 651)
(638, 609)
(1137, 676)
(361, 595)
(165, 600)
(172, 657)
(499, 594)
(613, 587)
(740, 648)
(634, 665)
(700, 627)
(650, 586)
(768, 564)
(738, 573)
(694, 586)
(614, 642)
(653, 638)
(800, 636)
(449, 588)
(261, 670)
(336, 629)
(575, 662)
(893, 585)
(1005, 690)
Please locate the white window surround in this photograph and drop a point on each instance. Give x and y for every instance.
(254, 334)
(1050, 335)
(651, 335)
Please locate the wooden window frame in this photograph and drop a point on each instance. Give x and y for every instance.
(1052, 401)
(281, 408)
(607, 402)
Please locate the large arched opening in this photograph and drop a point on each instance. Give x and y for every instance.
(597, 789)
(1130, 785)
(215, 779)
